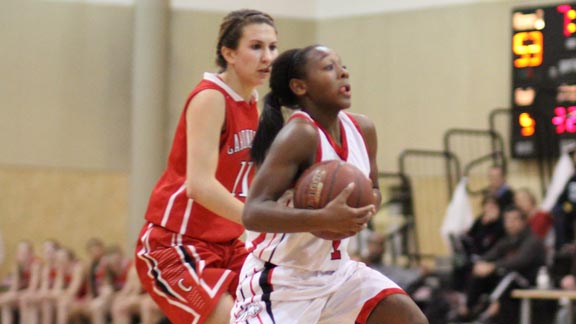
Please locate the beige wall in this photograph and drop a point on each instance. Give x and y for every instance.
(65, 85)
(66, 80)
(66, 205)
(65, 113)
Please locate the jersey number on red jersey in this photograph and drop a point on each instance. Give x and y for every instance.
(240, 188)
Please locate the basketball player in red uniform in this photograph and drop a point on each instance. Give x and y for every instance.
(70, 286)
(188, 255)
(34, 307)
(292, 276)
(25, 277)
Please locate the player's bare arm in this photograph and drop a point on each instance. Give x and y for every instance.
(371, 138)
(293, 151)
(205, 117)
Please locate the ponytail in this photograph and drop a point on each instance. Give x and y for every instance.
(287, 66)
(271, 122)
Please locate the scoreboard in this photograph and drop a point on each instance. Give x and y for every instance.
(543, 94)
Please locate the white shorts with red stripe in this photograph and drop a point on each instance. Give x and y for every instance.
(280, 295)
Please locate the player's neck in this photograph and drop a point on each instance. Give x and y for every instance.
(330, 124)
(234, 82)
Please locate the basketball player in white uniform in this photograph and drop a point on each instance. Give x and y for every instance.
(290, 275)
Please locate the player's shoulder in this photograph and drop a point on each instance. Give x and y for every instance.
(209, 95)
(207, 101)
(362, 121)
(301, 126)
(297, 134)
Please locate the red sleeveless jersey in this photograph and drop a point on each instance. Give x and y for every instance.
(169, 205)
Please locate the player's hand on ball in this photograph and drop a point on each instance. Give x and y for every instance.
(346, 220)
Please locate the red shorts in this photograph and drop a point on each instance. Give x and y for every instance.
(185, 276)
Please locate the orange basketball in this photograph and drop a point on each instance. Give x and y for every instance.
(323, 181)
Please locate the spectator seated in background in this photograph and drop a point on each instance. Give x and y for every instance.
(133, 302)
(106, 274)
(25, 277)
(521, 252)
(110, 277)
(540, 221)
(34, 307)
(70, 286)
(498, 187)
(486, 231)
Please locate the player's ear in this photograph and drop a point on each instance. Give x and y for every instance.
(228, 54)
(298, 87)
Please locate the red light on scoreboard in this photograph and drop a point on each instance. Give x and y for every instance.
(569, 18)
(528, 45)
(565, 119)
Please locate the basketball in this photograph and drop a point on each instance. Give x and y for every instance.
(323, 181)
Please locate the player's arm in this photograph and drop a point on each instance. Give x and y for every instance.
(293, 150)
(133, 285)
(371, 139)
(78, 277)
(35, 274)
(205, 118)
(15, 282)
(45, 278)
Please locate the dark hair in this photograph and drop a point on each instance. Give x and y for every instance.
(287, 66)
(488, 198)
(514, 208)
(232, 27)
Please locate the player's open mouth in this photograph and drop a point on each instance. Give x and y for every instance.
(346, 90)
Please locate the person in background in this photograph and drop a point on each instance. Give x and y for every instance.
(498, 186)
(93, 301)
(520, 251)
(25, 277)
(486, 231)
(540, 221)
(132, 301)
(70, 286)
(189, 254)
(110, 277)
(33, 305)
(96, 267)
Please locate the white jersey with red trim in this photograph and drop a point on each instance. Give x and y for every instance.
(304, 250)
